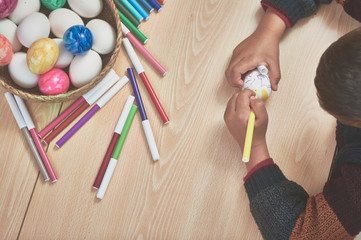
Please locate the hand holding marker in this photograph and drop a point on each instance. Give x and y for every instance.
(140, 70)
(259, 82)
(146, 126)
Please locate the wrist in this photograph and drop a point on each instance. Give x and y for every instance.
(259, 153)
(271, 26)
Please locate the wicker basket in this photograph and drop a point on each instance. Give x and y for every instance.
(109, 14)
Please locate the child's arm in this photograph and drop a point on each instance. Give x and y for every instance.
(281, 208)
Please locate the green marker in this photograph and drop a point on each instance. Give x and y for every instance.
(126, 13)
(132, 28)
(118, 148)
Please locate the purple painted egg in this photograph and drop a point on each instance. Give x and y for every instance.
(7, 7)
(54, 82)
(6, 51)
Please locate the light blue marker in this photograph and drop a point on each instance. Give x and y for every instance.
(139, 8)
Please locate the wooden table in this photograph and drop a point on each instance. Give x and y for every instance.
(196, 190)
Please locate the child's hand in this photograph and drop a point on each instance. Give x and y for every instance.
(261, 47)
(237, 114)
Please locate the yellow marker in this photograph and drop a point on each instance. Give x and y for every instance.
(249, 136)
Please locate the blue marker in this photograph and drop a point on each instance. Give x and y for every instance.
(155, 5)
(146, 5)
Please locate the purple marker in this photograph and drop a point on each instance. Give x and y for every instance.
(146, 125)
(92, 111)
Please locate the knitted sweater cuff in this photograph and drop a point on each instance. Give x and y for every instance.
(264, 163)
(291, 10)
(263, 178)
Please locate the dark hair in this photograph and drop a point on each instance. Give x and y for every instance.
(338, 77)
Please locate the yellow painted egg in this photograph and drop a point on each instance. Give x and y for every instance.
(42, 55)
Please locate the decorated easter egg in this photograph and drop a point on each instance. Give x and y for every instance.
(86, 8)
(42, 55)
(8, 29)
(65, 57)
(33, 27)
(104, 37)
(62, 19)
(23, 9)
(20, 73)
(84, 68)
(7, 7)
(78, 39)
(6, 51)
(53, 4)
(259, 83)
(54, 82)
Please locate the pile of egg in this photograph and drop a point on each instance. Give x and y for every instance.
(76, 47)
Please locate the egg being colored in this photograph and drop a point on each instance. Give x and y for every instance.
(23, 9)
(104, 37)
(62, 19)
(259, 83)
(8, 29)
(20, 73)
(42, 55)
(53, 4)
(7, 7)
(84, 68)
(86, 8)
(78, 39)
(65, 57)
(54, 82)
(6, 51)
(33, 27)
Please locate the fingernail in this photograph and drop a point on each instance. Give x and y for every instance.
(253, 97)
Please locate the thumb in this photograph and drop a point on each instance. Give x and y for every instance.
(274, 75)
(259, 110)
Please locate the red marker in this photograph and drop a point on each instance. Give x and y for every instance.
(140, 70)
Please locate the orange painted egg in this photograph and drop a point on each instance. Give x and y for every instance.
(42, 55)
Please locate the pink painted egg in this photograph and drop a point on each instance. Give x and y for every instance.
(7, 7)
(42, 55)
(54, 82)
(6, 51)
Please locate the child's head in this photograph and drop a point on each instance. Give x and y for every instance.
(338, 79)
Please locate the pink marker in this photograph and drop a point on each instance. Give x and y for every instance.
(30, 124)
(143, 51)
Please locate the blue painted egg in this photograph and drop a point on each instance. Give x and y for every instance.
(78, 39)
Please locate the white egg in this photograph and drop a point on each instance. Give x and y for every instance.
(8, 29)
(61, 19)
(23, 9)
(259, 83)
(84, 68)
(86, 8)
(104, 37)
(20, 72)
(33, 27)
(65, 57)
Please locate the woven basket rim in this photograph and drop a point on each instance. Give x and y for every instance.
(79, 91)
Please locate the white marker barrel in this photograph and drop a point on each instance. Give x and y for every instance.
(106, 179)
(151, 141)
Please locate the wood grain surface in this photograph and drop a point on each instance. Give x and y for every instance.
(195, 190)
